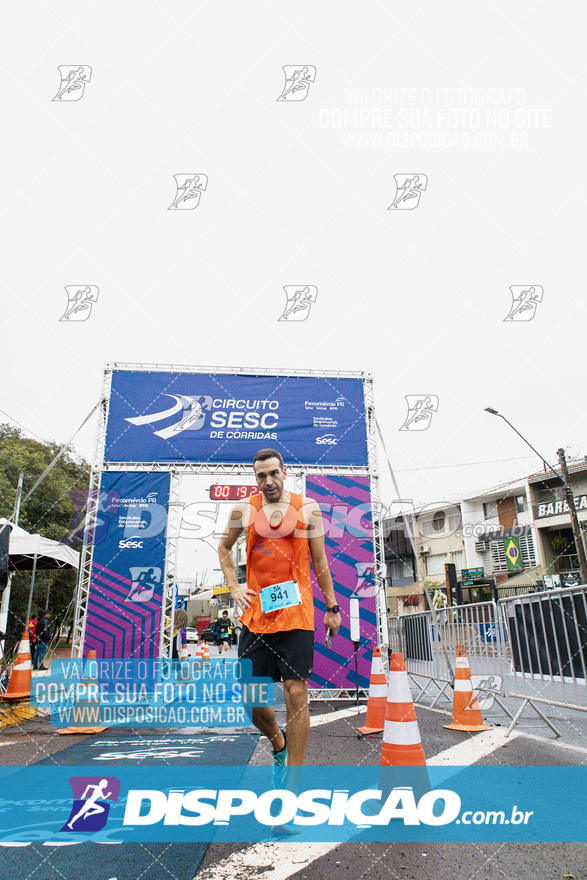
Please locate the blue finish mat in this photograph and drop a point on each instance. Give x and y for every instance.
(128, 861)
(117, 747)
(92, 861)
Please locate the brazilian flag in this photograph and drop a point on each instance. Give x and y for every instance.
(513, 554)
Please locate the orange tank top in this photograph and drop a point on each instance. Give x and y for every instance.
(274, 555)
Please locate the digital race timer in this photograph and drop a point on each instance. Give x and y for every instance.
(232, 493)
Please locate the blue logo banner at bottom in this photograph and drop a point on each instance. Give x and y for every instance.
(173, 804)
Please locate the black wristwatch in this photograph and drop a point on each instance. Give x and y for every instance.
(334, 610)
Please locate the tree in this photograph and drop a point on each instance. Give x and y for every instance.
(49, 511)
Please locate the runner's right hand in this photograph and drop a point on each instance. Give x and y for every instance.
(242, 596)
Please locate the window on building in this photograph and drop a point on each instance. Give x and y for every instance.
(398, 569)
(489, 509)
(438, 521)
(521, 504)
(454, 523)
(426, 528)
(435, 564)
(433, 526)
(458, 559)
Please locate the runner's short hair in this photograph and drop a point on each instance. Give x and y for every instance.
(262, 454)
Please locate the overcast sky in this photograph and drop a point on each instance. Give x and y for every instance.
(299, 193)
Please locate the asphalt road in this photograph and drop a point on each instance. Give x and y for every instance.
(336, 743)
(333, 741)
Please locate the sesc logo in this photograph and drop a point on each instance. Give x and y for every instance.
(130, 544)
(329, 439)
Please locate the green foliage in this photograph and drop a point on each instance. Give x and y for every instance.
(559, 544)
(49, 511)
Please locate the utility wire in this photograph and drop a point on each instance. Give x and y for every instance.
(28, 430)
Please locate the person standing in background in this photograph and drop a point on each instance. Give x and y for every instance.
(32, 626)
(43, 634)
(180, 620)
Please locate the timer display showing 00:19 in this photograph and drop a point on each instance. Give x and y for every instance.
(232, 493)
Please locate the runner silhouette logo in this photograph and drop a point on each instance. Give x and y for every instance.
(91, 797)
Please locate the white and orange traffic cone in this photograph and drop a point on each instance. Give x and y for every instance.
(73, 730)
(205, 651)
(19, 685)
(402, 745)
(466, 713)
(198, 653)
(377, 702)
(184, 651)
(403, 764)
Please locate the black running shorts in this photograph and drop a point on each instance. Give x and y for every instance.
(287, 655)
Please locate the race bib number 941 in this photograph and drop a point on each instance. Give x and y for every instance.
(278, 596)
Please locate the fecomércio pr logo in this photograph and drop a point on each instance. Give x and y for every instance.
(92, 798)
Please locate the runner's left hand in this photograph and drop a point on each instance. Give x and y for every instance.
(333, 621)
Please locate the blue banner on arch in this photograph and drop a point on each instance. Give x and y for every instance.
(222, 418)
(128, 562)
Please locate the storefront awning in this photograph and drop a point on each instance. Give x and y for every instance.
(526, 578)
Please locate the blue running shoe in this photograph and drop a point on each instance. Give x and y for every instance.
(285, 830)
(280, 766)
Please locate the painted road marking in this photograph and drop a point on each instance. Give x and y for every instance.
(278, 861)
(473, 749)
(317, 720)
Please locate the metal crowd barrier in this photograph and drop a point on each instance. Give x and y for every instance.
(429, 648)
(547, 660)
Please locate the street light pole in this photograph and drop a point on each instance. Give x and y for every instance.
(564, 478)
(574, 518)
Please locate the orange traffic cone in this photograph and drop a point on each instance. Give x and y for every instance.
(375, 720)
(205, 651)
(402, 745)
(184, 651)
(198, 651)
(466, 714)
(72, 730)
(19, 686)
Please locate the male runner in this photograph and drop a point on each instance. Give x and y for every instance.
(222, 632)
(284, 531)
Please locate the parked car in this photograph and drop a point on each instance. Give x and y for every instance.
(191, 634)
